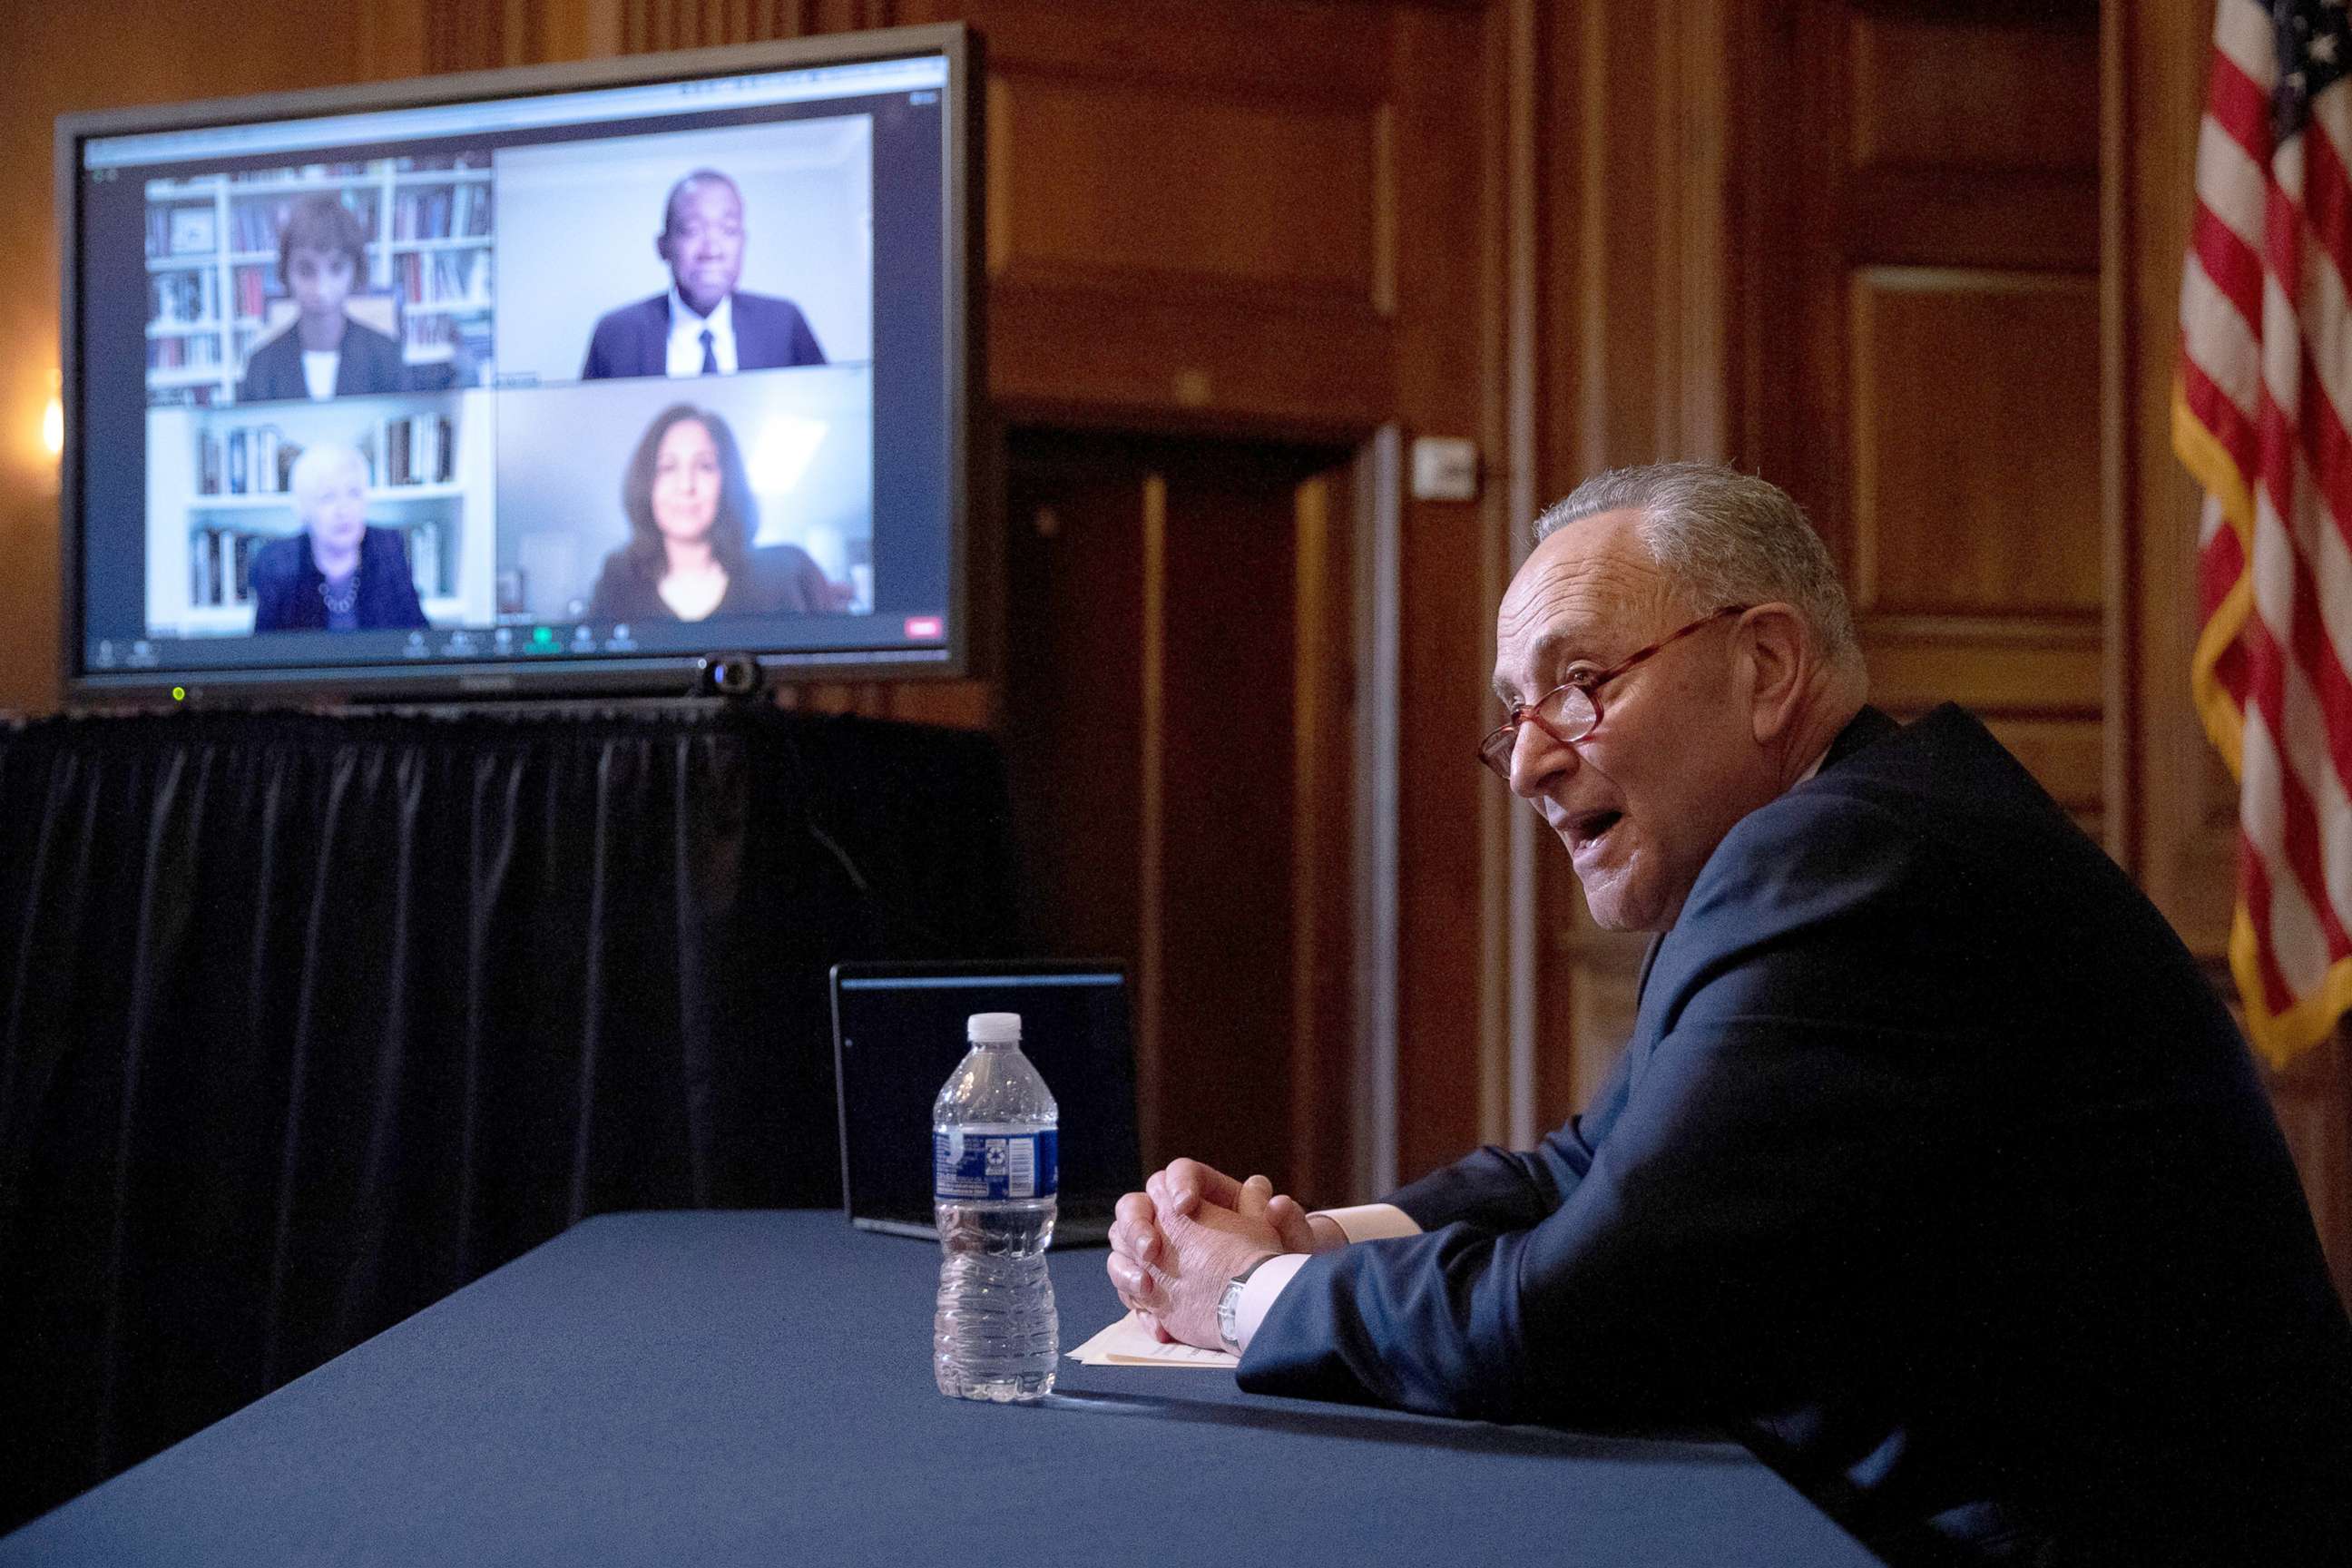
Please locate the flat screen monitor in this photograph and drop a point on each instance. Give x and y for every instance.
(534, 381)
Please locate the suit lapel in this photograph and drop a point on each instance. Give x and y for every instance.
(1649, 961)
(1865, 727)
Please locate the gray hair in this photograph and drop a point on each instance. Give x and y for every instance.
(1723, 537)
(320, 463)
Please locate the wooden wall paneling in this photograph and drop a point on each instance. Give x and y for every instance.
(1511, 883)
(1179, 230)
(2184, 848)
(1650, 171)
(1763, 234)
(1973, 138)
(1230, 951)
(1814, 162)
(1950, 319)
(1325, 47)
(1280, 194)
(1966, 498)
(1180, 608)
(1325, 1064)
(1923, 78)
(2006, 665)
(1450, 195)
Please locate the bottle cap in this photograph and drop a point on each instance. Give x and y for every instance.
(993, 1029)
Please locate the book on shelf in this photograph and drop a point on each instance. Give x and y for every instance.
(220, 565)
(255, 222)
(452, 212)
(445, 276)
(193, 233)
(399, 450)
(419, 450)
(472, 159)
(250, 285)
(183, 299)
(249, 460)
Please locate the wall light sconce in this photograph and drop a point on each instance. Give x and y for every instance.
(53, 417)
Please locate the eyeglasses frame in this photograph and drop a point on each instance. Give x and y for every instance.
(1495, 752)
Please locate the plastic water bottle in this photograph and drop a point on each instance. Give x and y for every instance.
(992, 1182)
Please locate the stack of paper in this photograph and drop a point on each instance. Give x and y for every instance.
(1128, 1343)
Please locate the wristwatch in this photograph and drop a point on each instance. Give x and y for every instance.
(1229, 1306)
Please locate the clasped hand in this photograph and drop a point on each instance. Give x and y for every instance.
(1175, 1244)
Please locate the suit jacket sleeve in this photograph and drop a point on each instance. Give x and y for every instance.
(272, 573)
(371, 363)
(1706, 1252)
(1503, 1189)
(393, 602)
(617, 346)
(266, 370)
(599, 365)
(805, 344)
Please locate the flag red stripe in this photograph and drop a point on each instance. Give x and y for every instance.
(2326, 454)
(2230, 675)
(2305, 841)
(2219, 566)
(2273, 475)
(2282, 245)
(2218, 413)
(2232, 265)
(2327, 197)
(2240, 108)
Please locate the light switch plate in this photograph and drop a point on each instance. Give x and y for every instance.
(1444, 468)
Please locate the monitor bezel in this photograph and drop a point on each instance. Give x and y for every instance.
(680, 675)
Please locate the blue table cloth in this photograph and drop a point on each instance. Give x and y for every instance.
(756, 1388)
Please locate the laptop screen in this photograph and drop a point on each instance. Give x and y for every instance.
(898, 1032)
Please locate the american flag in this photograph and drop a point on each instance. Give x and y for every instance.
(2259, 418)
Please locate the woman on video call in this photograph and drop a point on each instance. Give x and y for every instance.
(691, 521)
(322, 258)
(338, 574)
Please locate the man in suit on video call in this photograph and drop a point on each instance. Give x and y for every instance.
(1935, 1169)
(703, 325)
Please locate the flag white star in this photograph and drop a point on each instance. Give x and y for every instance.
(2323, 48)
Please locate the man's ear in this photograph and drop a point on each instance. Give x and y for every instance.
(661, 247)
(1779, 658)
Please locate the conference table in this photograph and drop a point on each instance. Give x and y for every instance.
(755, 1387)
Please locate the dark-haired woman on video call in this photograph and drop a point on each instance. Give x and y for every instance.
(691, 522)
(322, 258)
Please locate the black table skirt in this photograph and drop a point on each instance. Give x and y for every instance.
(305, 1021)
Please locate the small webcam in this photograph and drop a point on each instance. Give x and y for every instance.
(736, 675)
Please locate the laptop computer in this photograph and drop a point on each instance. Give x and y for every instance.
(898, 1032)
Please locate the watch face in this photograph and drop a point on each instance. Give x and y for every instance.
(1229, 1306)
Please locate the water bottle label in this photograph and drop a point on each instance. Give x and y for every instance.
(994, 1165)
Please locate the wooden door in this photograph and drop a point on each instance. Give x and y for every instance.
(1175, 680)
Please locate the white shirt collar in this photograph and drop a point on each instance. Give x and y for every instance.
(685, 357)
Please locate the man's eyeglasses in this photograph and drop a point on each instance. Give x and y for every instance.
(1570, 712)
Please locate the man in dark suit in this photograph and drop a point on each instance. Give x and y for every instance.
(703, 325)
(1934, 1169)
